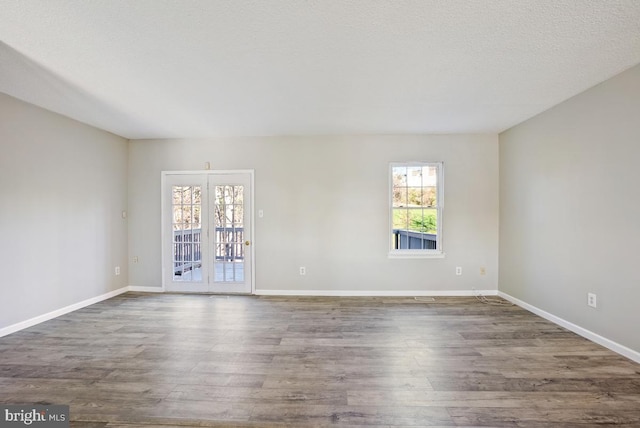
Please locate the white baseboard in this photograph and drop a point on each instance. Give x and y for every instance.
(376, 293)
(607, 343)
(146, 289)
(58, 312)
(594, 337)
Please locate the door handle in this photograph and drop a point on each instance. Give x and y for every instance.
(247, 243)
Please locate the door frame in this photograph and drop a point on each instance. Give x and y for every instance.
(164, 225)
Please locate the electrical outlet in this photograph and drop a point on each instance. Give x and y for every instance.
(117, 270)
(459, 270)
(260, 213)
(483, 271)
(591, 300)
(135, 259)
(303, 270)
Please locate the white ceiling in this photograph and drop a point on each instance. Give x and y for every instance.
(203, 68)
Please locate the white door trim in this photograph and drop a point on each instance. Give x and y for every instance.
(163, 222)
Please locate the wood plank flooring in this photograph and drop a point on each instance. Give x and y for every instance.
(145, 360)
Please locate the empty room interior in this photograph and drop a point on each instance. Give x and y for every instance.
(320, 213)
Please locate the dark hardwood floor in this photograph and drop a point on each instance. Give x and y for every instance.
(201, 360)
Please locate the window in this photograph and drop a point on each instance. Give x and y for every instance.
(416, 209)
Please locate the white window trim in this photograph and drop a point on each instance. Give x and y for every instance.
(418, 254)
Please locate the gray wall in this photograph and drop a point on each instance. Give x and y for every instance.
(63, 186)
(325, 202)
(570, 209)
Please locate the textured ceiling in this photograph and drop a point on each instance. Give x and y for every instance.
(201, 68)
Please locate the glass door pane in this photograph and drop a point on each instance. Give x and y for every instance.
(229, 265)
(186, 207)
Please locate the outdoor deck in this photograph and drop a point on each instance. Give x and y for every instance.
(229, 255)
(219, 269)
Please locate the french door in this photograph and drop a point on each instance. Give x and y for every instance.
(207, 231)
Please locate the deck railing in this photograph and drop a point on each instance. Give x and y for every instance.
(230, 243)
(411, 240)
(186, 246)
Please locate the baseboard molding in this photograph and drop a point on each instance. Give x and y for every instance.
(594, 337)
(377, 293)
(145, 289)
(58, 312)
(607, 343)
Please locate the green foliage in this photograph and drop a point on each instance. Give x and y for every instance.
(417, 220)
(426, 224)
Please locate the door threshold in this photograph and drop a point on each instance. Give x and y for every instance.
(208, 293)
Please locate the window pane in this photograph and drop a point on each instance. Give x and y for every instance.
(414, 206)
(177, 195)
(429, 196)
(177, 214)
(429, 176)
(228, 194)
(238, 211)
(425, 221)
(228, 217)
(414, 176)
(399, 174)
(399, 196)
(400, 219)
(186, 214)
(414, 196)
(218, 216)
(196, 215)
(188, 253)
(186, 194)
(239, 194)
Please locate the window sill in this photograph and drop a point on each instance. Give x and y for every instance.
(408, 254)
